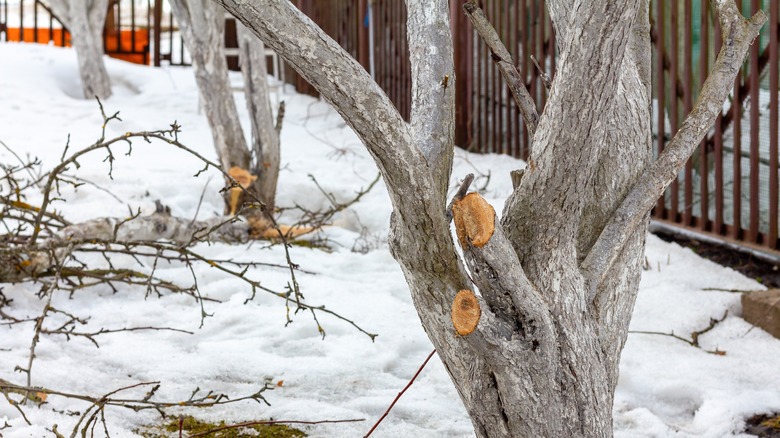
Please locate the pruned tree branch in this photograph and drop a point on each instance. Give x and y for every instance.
(496, 271)
(433, 85)
(505, 64)
(158, 226)
(739, 35)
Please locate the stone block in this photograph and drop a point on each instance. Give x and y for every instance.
(762, 309)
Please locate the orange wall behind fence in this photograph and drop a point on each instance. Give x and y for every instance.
(44, 35)
(113, 42)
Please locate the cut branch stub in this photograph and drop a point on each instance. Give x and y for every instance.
(243, 178)
(465, 312)
(474, 220)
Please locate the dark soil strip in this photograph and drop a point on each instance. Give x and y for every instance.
(762, 271)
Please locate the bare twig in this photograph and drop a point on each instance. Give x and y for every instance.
(503, 60)
(419, 370)
(24, 165)
(91, 336)
(462, 191)
(546, 80)
(695, 335)
(279, 118)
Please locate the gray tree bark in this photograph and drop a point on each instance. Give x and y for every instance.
(202, 23)
(85, 20)
(265, 136)
(557, 276)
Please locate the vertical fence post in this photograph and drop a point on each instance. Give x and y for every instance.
(460, 39)
(157, 31)
(774, 22)
(755, 212)
(719, 225)
(687, 215)
(704, 172)
(21, 20)
(362, 33)
(660, 208)
(736, 117)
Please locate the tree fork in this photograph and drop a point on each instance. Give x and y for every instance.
(527, 270)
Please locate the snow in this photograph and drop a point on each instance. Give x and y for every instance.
(666, 388)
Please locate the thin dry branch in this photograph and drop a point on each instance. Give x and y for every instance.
(739, 33)
(395, 400)
(695, 335)
(546, 79)
(506, 66)
(197, 399)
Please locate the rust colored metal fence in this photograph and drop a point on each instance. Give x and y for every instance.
(729, 188)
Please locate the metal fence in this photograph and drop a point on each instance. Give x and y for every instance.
(729, 188)
(126, 34)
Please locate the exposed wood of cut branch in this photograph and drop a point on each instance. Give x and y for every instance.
(739, 35)
(474, 220)
(465, 312)
(503, 60)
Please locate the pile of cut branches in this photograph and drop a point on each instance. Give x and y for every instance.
(40, 247)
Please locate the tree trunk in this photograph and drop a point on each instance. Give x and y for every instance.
(202, 24)
(85, 19)
(557, 276)
(265, 136)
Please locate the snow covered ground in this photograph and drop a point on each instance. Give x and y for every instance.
(666, 388)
